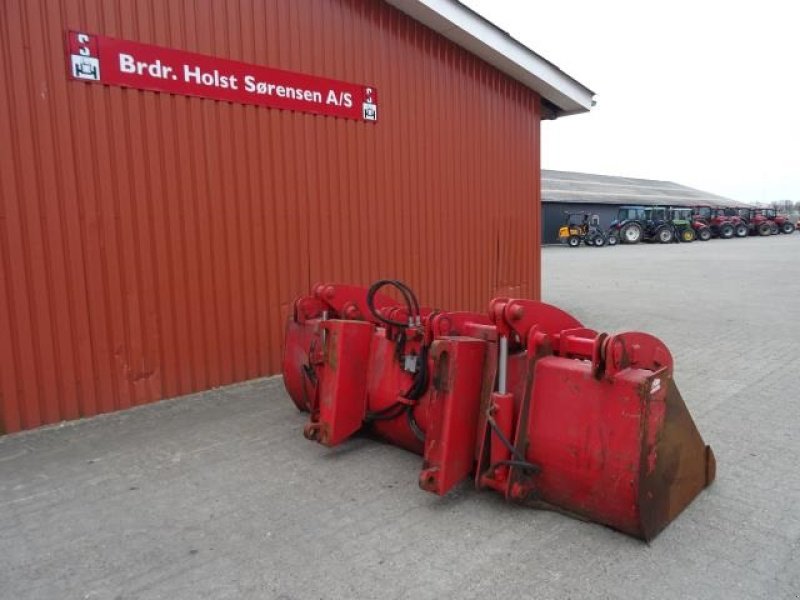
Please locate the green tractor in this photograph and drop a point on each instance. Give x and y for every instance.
(683, 225)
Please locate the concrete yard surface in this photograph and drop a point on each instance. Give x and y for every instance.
(218, 495)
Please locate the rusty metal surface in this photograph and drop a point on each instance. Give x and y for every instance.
(151, 245)
(684, 466)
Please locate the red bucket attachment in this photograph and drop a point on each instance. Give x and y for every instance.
(524, 399)
(610, 442)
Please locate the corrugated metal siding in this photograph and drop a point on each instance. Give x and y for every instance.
(151, 245)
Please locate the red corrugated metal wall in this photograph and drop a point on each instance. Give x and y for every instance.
(151, 244)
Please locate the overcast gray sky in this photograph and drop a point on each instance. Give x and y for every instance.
(702, 93)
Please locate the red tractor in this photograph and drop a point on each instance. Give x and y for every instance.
(782, 222)
(765, 221)
(722, 225)
(757, 224)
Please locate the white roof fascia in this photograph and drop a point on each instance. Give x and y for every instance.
(468, 29)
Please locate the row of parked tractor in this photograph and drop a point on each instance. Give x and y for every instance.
(666, 224)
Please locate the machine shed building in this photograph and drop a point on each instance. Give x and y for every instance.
(602, 195)
(173, 175)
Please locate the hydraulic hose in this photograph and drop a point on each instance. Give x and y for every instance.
(413, 297)
(419, 385)
(373, 289)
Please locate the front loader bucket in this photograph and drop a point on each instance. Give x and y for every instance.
(524, 399)
(616, 446)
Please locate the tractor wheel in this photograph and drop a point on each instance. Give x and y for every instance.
(726, 231)
(574, 241)
(764, 229)
(632, 233)
(599, 241)
(704, 234)
(741, 230)
(687, 235)
(787, 227)
(664, 235)
(612, 240)
(773, 229)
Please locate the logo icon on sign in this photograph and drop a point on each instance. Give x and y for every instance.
(369, 107)
(83, 57)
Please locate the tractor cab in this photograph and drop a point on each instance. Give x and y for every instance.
(680, 214)
(577, 219)
(656, 215)
(703, 212)
(630, 213)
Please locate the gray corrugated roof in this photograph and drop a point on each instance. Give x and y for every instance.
(585, 188)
